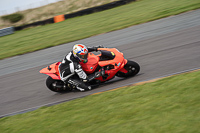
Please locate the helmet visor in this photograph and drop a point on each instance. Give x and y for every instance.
(83, 56)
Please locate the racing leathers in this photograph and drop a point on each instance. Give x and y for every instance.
(70, 66)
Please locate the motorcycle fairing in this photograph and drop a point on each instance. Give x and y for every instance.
(52, 71)
(93, 62)
(90, 66)
(118, 62)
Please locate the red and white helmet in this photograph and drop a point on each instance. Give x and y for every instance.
(80, 51)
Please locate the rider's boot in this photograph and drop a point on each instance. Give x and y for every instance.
(79, 85)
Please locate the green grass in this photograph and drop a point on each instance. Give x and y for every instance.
(170, 105)
(81, 27)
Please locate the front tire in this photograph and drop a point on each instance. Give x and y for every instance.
(132, 67)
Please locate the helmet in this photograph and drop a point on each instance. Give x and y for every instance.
(80, 51)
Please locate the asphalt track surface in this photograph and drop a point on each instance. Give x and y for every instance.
(161, 47)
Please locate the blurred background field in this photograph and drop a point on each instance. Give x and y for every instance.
(51, 10)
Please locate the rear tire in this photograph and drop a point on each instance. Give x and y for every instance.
(132, 67)
(50, 82)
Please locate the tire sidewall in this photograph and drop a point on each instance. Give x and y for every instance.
(129, 65)
(49, 84)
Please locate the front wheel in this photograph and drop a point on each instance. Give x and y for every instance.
(132, 67)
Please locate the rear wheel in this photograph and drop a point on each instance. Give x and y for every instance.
(55, 85)
(132, 67)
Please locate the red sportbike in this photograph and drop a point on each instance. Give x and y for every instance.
(119, 66)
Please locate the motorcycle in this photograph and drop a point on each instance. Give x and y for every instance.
(118, 66)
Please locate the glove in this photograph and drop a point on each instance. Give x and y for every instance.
(100, 46)
(95, 48)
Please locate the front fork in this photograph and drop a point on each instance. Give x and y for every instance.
(123, 69)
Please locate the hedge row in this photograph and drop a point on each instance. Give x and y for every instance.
(13, 18)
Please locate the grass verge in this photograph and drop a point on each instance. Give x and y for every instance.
(167, 105)
(82, 27)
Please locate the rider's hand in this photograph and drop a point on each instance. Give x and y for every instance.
(100, 46)
(95, 48)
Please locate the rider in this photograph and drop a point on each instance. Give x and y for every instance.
(70, 65)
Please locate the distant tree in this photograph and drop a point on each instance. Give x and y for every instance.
(13, 18)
